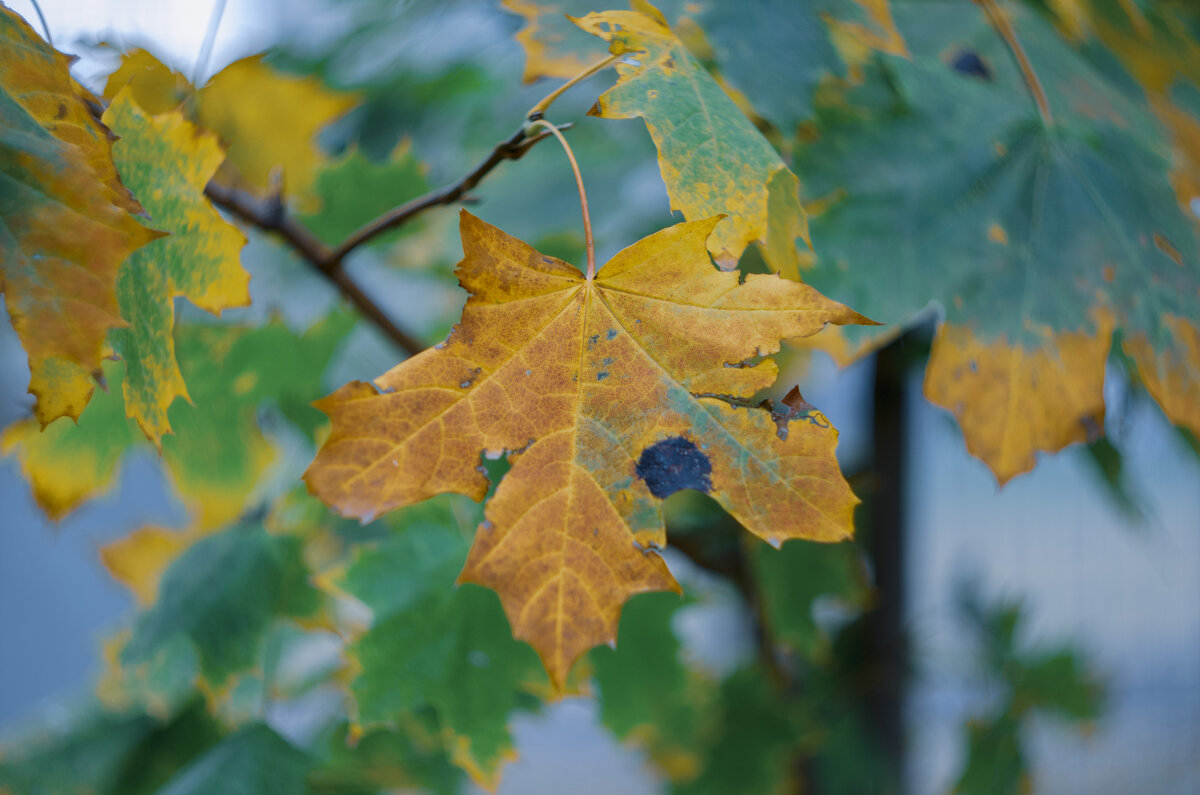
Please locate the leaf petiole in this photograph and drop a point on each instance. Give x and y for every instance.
(538, 110)
(587, 220)
(999, 20)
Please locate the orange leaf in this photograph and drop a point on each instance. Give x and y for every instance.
(608, 396)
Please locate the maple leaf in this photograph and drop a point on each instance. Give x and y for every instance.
(156, 88)
(712, 158)
(269, 120)
(430, 644)
(215, 456)
(65, 222)
(353, 188)
(168, 161)
(609, 395)
(1038, 237)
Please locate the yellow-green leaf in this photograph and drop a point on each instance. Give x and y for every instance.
(712, 158)
(168, 161)
(607, 395)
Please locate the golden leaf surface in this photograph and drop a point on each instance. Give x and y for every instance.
(65, 223)
(270, 119)
(1012, 401)
(608, 396)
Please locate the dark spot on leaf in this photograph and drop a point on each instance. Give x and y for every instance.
(612, 333)
(592, 340)
(600, 376)
(968, 62)
(672, 464)
(62, 111)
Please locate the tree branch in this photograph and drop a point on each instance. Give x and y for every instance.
(270, 215)
(512, 148)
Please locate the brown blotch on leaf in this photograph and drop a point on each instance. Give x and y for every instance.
(794, 406)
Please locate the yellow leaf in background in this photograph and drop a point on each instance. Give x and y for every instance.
(139, 559)
(1013, 401)
(156, 88)
(607, 396)
(65, 223)
(553, 46)
(269, 119)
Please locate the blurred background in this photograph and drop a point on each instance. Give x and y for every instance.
(1105, 569)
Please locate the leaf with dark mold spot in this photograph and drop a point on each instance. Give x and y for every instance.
(673, 464)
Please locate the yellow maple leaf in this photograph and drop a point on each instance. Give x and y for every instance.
(608, 395)
(269, 120)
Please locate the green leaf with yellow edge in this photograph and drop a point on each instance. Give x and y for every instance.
(217, 453)
(792, 578)
(253, 760)
(608, 395)
(65, 223)
(353, 189)
(167, 161)
(216, 604)
(430, 644)
(269, 119)
(646, 692)
(712, 158)
(1037, 237)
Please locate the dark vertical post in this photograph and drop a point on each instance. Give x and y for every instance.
(885, 543)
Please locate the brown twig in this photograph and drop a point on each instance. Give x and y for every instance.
(999, 20)
(512, 148)
(270, 216)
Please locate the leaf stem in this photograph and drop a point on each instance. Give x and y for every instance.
(210, 38)
(42, 18)
(538, 110)
(587, 219)
(999, 20)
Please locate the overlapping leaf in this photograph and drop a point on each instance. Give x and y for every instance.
(608, 395)
(217, 455)
(269, 120)
(65, 223)
(711, 157)
(167, 161)
(432, 645)
(209, 625)
(1037, 236)
(646, 692)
